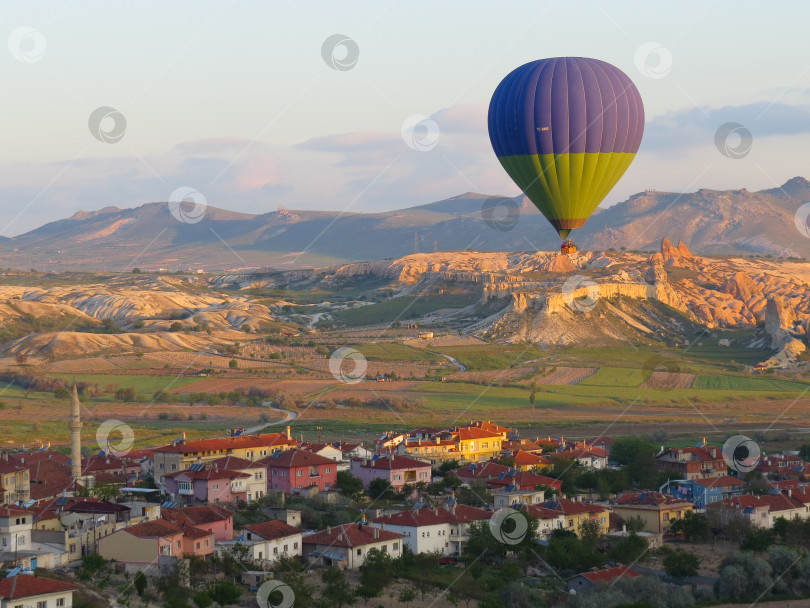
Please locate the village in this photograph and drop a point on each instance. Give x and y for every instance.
(244, 509)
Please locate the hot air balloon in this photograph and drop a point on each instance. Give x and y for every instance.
(565, 129)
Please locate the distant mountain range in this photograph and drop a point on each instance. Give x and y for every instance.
(151, 236)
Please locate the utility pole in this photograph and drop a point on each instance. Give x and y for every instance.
(319, 429)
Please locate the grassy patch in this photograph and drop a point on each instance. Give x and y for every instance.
(492, 356)
(392, 351)
(742, 383)
(403, 309)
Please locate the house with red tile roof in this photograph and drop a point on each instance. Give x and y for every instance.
(255, 484)
(575, 514)
(292, 469)
(784, 504)
(394, 468)
(656, 510)
(705, 490)
(154, 545)
(213, 518)
(527, 461)
(15, 485)
(588, 456)
(442, 530)
(267, 541)
(745, 506)
(693, 462)
(208, 484)
(347, 545)
(31, 590)
(16, 524)
(500, 476)
(181, 454)
(597, 577)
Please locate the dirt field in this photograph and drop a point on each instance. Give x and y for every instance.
(668, 380)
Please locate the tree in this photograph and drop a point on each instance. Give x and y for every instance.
(61, 393)
(407, 595)
(349, 486)
(202, 599)
(176, 326)
(381, 489)
(225, 592)
(743, 577)
(366, 593)
(377, 570)
(638, 458)
(476, 495)
(136, 271)
(757, 540)
(233, 364)
(140, 583)
(692, 526)
(681, 563)
(337, 592)
(629, 549)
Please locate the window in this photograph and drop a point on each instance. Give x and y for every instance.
(198, 546)
(42, 604)
(275, 473)
(20, 540)
(260, 554)
(295, 545)
(359, 552)
(275, 550)
(285, 548)
(570, 523)
(174, 467)
(385, 548)
(206, 542)
(666, 516)
(60, 601)
(328, 469)
(249, 536)
(395, 546)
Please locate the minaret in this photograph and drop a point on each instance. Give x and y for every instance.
(75, 426)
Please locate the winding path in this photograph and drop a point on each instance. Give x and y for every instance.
(289, 416)
(454, 361)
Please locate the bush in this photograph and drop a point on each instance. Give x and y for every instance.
(681, 564)
(233, 364)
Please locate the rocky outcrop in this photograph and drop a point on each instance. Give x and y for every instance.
(676, 256)
(559, 263)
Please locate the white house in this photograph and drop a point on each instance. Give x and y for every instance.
(268, 540)
(513, 495)
(255, 485)
(24, 590)
(16, 524)
(436, 529)
(346, 546)
(327, 450)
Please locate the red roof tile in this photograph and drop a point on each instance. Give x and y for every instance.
(719, 482)
(295, 457)
(608, 574)
(430, 517)
(649, 498)
(350, 535)
(30, 585)
(196, 516)
(270, 530)
(229, 443)
(157, 528)
(395, 462)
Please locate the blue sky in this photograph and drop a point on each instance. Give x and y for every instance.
(236, 101)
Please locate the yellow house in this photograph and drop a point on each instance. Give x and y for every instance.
(574, 514)
(656, 510)
(475, 444)
(180, 455)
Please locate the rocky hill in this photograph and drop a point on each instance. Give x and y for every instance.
(156, 235)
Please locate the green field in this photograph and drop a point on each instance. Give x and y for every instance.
(741, 383)
(403, 308)
(392, 351)
(492, 356)
(142, 384)
(615, 376)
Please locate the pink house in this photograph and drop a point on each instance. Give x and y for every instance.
(397, 470)
(211, 518)
(289, 469)
(207, 484)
